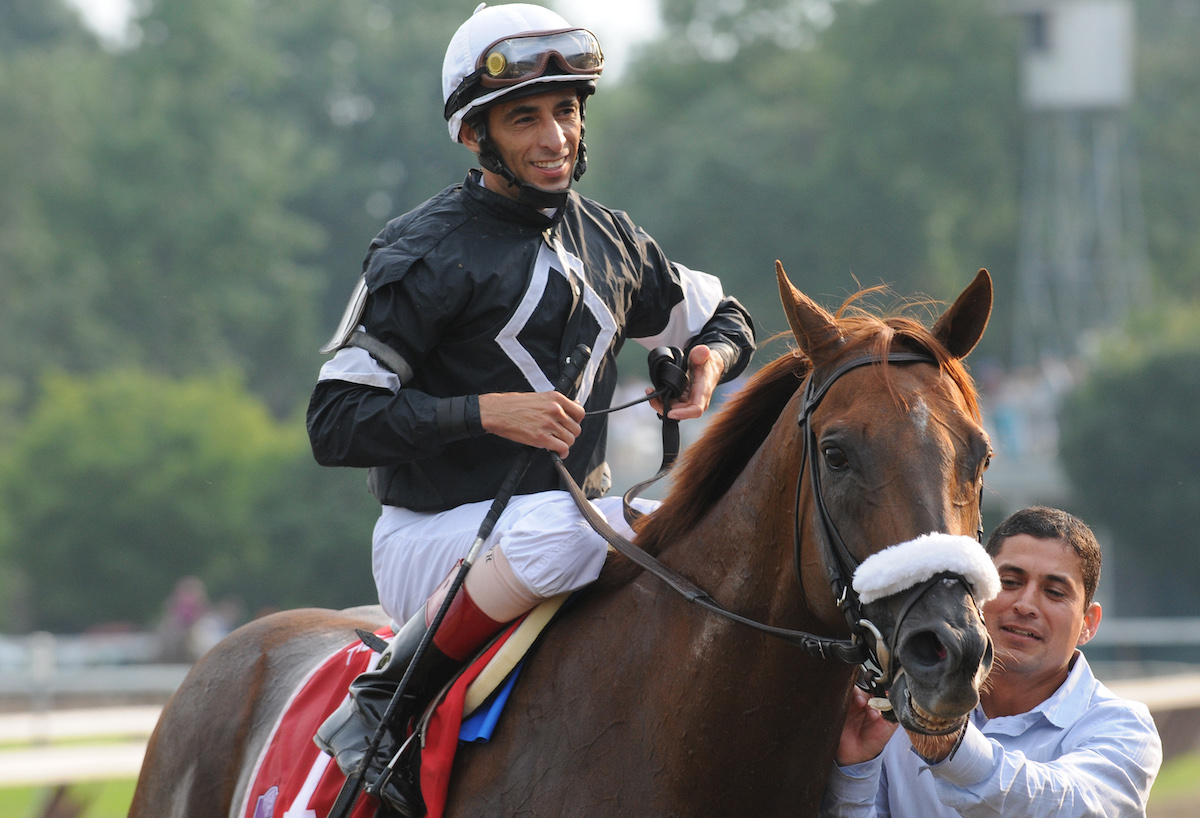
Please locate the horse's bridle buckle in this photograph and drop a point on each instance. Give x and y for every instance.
(878, 664)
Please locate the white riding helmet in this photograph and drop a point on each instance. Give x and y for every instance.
(525, 45)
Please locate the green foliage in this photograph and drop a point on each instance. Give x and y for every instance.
(35, 23)
(362, 80)
(1130, 445)
(200, 201)
(144, 206)
(883, 147)
(1166, 116)
(122, 482)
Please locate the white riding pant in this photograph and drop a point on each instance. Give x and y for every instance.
(552, 549)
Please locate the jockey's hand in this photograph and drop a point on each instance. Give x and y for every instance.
(546, 420)
(865, 732)
(704, 373)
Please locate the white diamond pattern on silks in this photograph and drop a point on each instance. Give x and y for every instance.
(554, 257)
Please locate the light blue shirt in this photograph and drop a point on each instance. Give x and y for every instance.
(1083, 751)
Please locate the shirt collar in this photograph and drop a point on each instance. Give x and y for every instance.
(1064, 707)
(1067, 704)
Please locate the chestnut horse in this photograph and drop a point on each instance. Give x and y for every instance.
(635, 702)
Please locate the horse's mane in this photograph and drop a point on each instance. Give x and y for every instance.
(710, 465)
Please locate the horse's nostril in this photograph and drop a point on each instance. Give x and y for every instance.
(925, 649)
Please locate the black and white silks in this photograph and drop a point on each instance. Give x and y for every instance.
(478, 293)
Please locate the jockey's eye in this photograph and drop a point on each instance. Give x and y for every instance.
(835, 458)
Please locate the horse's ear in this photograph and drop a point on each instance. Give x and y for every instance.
(962, 325)
(815, 329)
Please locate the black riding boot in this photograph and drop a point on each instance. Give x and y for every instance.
(347, 733)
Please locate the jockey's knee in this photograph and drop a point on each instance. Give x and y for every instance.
(549, 563)
(496, 589)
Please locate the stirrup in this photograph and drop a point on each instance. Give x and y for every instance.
(398, 785)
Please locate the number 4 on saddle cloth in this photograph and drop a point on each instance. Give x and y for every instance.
(293, 778)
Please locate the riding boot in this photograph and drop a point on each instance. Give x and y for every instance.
(347, 733)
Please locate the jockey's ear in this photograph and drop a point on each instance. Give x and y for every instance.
(815, 329)
(467, 136)
(962, 325)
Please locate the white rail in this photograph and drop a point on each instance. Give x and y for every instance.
(32, 761)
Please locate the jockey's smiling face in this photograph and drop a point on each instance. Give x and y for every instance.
(536, 136)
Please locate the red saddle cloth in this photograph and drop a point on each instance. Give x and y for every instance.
(293, 778)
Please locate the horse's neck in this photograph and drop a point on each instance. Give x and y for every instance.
(743, 551)
(720, 678)
(691, 712)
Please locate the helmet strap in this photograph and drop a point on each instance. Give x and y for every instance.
(581, 154)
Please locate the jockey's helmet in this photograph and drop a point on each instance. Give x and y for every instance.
(509, 51)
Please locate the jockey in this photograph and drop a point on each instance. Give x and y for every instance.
(468, 306)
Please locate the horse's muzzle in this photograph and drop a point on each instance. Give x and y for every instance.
(944, 653)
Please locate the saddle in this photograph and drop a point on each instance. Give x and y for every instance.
(293, 777)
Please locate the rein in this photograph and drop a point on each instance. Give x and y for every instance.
(849, 651)
(669, 376)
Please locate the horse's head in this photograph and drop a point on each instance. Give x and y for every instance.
(894, 450)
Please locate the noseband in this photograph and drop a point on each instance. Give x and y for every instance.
(881, 664)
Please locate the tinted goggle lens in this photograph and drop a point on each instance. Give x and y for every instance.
(515, 59)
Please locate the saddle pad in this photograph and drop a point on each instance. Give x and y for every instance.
(293, 778)
(470, 694)
(510, 655)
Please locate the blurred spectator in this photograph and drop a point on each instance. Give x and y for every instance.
(184, 608)
(213, 626)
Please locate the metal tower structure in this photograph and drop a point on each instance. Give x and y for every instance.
(1081, 260)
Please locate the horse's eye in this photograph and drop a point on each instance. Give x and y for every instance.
(835, 458)
(987, 461)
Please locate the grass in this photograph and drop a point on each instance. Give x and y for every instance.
(1178, 782)
(104, 799)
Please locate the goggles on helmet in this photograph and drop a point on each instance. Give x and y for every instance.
(522, 57)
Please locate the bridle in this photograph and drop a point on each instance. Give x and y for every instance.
(866, 646)
(881, 666)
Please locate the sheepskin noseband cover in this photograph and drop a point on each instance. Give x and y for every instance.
(900, 567)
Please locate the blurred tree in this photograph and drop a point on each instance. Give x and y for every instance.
(877, 141)
(317, 523)
(122, 483)
(1130, 445)
(149, 204)
(362, 80)
(1166, 115)
(203, 198)
(47, 77)
(28, 24)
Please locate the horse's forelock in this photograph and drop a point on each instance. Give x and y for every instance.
(880, 335)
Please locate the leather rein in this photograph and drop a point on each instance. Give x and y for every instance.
(866, 646)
